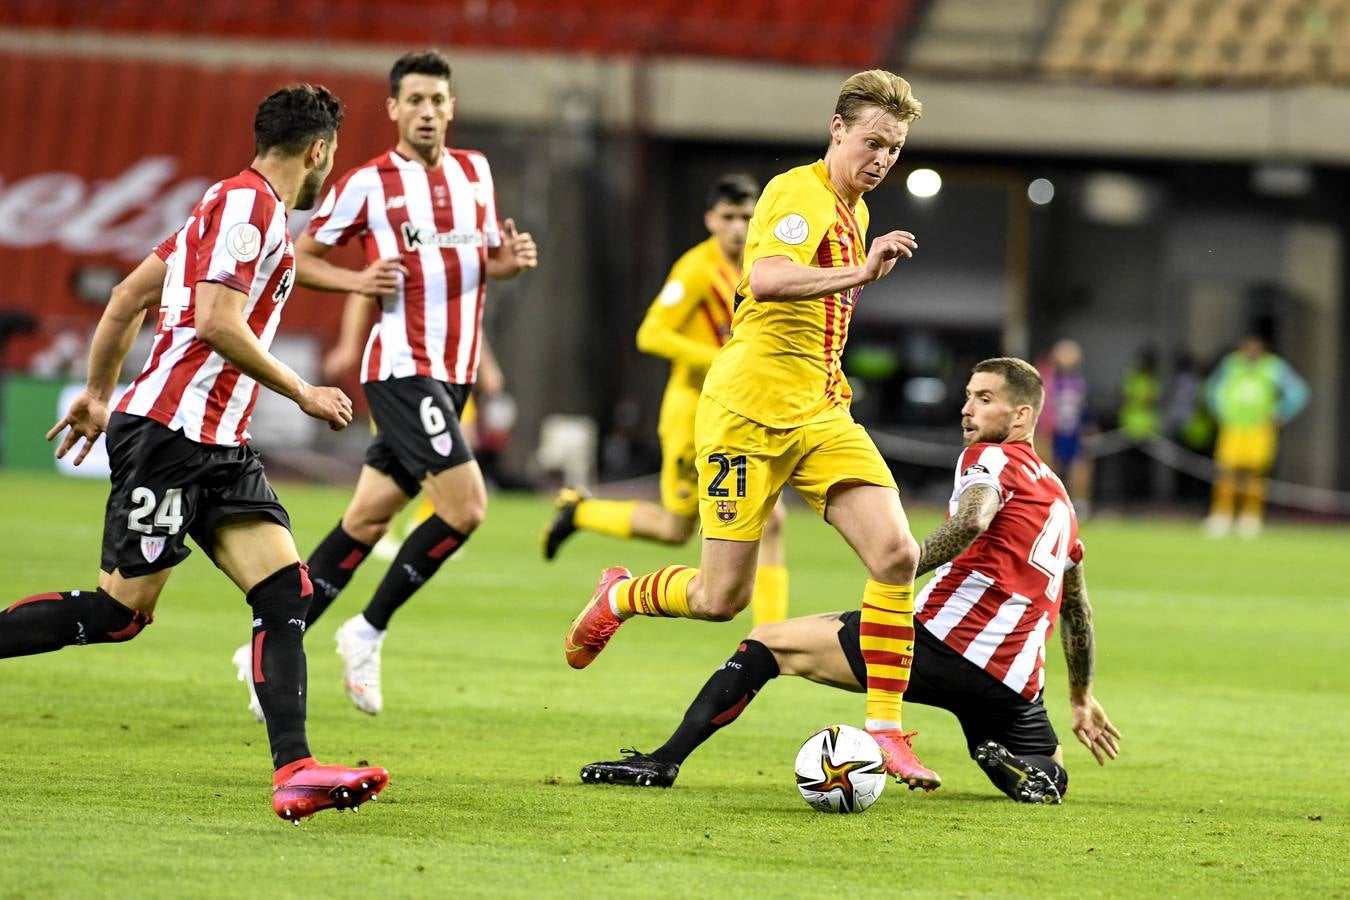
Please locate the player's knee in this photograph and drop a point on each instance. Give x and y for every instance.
(769, 634)
(467, 516)
(777, 519)
(897, 561)
(109, 621)
(678, 529)
(282, 599)
(366, 529)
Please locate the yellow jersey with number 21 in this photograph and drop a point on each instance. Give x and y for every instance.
(782, 366)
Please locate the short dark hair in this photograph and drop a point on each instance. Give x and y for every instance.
(295, 116)
(1020, 378)
(420, 62)
(734, 188)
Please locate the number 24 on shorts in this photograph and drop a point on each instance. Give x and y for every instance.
(724, 465)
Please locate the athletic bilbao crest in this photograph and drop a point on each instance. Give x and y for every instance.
(441, 443)
(151, 548)
(726, 510)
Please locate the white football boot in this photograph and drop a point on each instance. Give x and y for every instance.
(243, 663)
(360, 654)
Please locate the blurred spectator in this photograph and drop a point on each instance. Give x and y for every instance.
(1189, 422)
(1139, 422)
(1252, 393)
(1059, 432)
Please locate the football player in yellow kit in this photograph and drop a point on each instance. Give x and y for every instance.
(687, 323)
(775, 411)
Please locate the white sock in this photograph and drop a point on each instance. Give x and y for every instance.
(367, 631)
(881, 725)
(614, 603)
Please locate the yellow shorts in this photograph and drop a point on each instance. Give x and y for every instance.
(1250, 449)
(679, 478)
(743, 467)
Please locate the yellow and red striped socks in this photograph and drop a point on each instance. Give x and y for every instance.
(887, 641)
(664, 592)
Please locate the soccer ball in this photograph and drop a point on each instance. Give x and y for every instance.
(839, 769)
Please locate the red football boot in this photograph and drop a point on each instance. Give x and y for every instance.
(302, 788)
(592, 629)
(901, 761)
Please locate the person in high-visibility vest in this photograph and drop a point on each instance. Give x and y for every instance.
(1253, 392)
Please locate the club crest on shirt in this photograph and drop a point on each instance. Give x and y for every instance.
(480, 193)
(726, 510)
(244, 241)
(792, 229)
(441, 443)
(151, 548)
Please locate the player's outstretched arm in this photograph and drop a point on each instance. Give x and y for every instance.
(516, 253)
(221, 325)
(1090, 723)
(778, 278)
(314, 271)
(87, 416)
(975, 510)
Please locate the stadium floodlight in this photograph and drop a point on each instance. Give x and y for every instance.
(1041, 191)
(924, 183)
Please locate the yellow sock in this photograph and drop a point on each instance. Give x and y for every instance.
(664, 592)
(1254, 497)
(769, 603)
(423, 512)
(612, 517)
(1225, 494)
(887, 642)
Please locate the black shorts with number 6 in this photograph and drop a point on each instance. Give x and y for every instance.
(417, 428)
(166, 487)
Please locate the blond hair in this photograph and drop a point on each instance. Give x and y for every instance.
(1020, 378)
(876, 87)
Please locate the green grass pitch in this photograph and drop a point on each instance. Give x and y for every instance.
(136, 770)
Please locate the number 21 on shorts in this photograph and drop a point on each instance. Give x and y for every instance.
(725, 464)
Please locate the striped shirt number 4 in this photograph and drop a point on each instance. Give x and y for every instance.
(1051, 548)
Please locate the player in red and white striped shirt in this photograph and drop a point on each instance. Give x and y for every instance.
(430, 212)
(177, 442)
(1008, 564)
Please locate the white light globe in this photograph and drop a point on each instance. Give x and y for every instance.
(924, 183)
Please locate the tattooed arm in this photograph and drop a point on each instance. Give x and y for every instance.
(1090, 724)
(974, 511)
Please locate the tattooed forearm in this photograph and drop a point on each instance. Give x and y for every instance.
(973, 514)
(1075, 633)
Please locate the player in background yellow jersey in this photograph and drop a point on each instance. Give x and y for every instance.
(775, 411)
(687, 323)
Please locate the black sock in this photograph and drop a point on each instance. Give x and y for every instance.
(279, 603)
(724, 696)
(331, 566)
(46, 622)
(430, 544)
